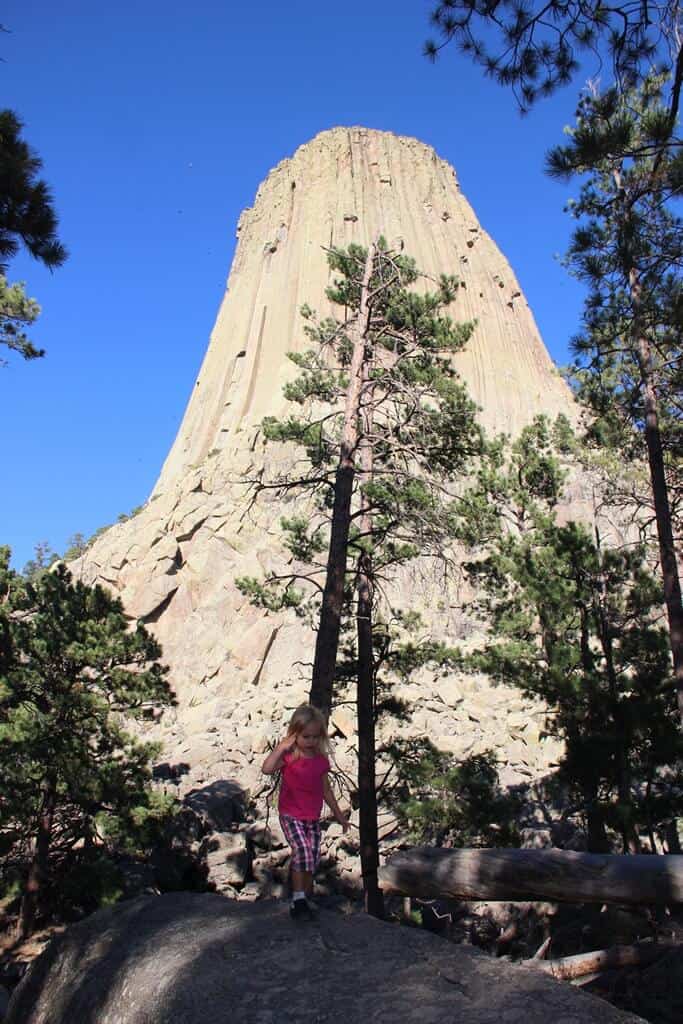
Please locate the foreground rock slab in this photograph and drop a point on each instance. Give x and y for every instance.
(200, 959)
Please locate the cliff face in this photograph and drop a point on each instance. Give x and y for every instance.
(237, 670)
(347, 185)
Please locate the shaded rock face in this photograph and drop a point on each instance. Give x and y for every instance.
(238, 671)
(199, 959)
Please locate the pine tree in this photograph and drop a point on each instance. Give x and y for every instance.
(71, 670)
(628, 249)
(43, 558)
(386, 426)
(576, 624)
(28, 220)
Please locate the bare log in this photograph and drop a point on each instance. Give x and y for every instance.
(542, 949)
(558, 875)
(568, 967)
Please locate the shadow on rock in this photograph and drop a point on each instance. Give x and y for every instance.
(220, 805)
(201, 959)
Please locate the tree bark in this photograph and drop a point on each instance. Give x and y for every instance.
(327, 640)
(598, 841)
(597, 838)
(558, 875)
(37, 873)
(629, 834)
(365, 691)
(660, 494)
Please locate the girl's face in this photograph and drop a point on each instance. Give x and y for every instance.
(308, 740)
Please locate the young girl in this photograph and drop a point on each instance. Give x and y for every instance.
(301, 756)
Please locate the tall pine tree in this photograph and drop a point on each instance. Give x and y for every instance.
(628, 249)
(387, 426)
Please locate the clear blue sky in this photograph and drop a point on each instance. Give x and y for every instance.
(156, 121)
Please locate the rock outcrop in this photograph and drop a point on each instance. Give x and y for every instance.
(199, 959)
(238, 671)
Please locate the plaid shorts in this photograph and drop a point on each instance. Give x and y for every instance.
(304, 839)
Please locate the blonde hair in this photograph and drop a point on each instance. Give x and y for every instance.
(304, 716)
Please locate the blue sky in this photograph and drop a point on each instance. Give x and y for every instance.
(155, 122)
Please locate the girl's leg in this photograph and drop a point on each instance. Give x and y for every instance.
(302, 881)
(314, 842)
(301, 870)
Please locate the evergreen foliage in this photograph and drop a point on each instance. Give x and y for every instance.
(28, 220)
(628, 249)
(452, 803)
(534, 48)
(577, 624)
(424, 428)
(43, 558)
(27, 216)
(75, 783)
(627, 227)
(17, 312)
(626, 145)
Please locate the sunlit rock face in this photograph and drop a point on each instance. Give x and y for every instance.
(238, 670)
(348, 185)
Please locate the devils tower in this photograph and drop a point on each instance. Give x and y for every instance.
(237, 669)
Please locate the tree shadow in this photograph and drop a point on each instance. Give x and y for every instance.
(167, 772)
(198, 957)
(220, 805)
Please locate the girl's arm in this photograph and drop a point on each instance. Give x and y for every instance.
(331, 802)
(273, 762)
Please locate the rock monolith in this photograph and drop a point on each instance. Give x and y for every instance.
(237, 670)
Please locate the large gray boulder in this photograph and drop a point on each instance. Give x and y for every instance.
(201, 959)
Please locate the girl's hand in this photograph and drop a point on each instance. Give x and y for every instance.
(345, 824)
(274, 760)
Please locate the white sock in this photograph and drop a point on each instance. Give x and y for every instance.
(298, 895)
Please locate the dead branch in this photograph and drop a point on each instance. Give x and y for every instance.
(568, 967)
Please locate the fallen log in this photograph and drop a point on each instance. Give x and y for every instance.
(568, 967)
(558, 875)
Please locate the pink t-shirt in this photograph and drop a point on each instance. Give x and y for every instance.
(301, 791)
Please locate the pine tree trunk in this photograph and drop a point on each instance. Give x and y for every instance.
(629, 835)
(660, 494)
(365, 693)
(37, 872)
(327, 640)
(367, 789)
(596, 833)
